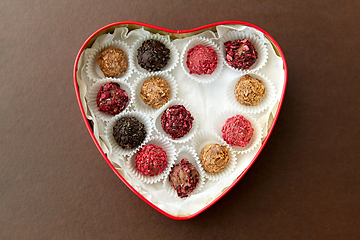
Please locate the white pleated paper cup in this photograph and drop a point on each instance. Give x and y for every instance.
(259, 45)
(109, 131)
(170, 150)
(255, 139)
(93, 69)
(93, 92)
(205, 137)
(203, 78)
(266, 101)
(158, 127)
(190, 154)
(139, 104)
(174, 55)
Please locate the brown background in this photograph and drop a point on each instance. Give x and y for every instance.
(54, 184)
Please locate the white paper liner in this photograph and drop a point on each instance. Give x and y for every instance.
(266, 101)
(170, 153)
(174, 55)
(190, 154)
(204, 137)
(255, 40)
(139, 103)
(203, 78)
(109, 131)
(93, 69)
(93, 92)
(160, 130)
(256, 138)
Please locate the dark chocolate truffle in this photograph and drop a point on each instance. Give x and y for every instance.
(201, 60)
(184, 178)
(153, 55)
(151, 160)
(111, 99)
(112, 61)
(155, 92)
(129, 132)
(176, 121)
(249, 91)
(240, 54)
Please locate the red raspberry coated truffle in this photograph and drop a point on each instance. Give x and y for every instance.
(111, 99)
(237, 131)
(240, 54)
(176, 121)
(201, 60)
(151, 160)
(184, 178)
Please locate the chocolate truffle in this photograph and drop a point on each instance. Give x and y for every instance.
(240, 54)
(176, 121)
(112, 61)
(249, 91)
(111, 99)
(129, 132)
(155, 92)
(151, 160)
(184, 178)
(201, 60)
(237, 131)
(153, 55)
(214, 157)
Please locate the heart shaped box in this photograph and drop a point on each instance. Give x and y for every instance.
(171, 206)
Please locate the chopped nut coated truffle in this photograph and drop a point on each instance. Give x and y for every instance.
(112, 61)
(214, 157)
(155, 92)
(249, 91)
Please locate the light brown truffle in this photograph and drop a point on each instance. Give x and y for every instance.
(155, 92)
(249, 91)
(214, 157)
(112, 61)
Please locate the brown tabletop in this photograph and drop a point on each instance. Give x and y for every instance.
(54, 184)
